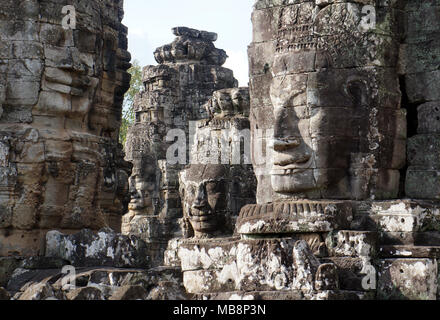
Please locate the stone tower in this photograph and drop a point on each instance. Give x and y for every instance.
(62, 81)
(176, 91)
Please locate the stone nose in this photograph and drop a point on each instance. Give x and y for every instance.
(200, 201)
(280, 145)
(286, 129)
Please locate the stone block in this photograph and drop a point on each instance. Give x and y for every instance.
(429, 118)
(423, 20)
(20, 93)
(254, 265)
(265, 24)
(22, 243)
(422, 56)
(352, 273)
(380, 88)
(423, 87)
(261, 58)
(428, 238)
(106, 248)
(351, 244)
(7, 267)
(409, 252)
(424, 152)
(422, 184)
(407, 279)
(397, 216)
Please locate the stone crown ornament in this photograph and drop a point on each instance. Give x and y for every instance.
(229, 103)
(191, 45)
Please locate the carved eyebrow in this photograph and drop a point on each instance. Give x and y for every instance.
(204, 182)
(216, 180)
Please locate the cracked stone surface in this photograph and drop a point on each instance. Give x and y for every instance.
(61, 93)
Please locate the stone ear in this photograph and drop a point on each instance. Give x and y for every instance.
(357, 90)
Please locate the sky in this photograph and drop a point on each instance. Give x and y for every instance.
(150, 22)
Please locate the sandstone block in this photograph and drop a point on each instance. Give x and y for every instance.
(424, 152)
(351, 244)
(423, 87)
(414, 279)
(106, 248)
(422, 184)
(429, 118)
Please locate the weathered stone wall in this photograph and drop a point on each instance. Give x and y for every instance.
(420, 61)
(61, 93)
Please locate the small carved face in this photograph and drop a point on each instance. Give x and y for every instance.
(142, 188)
(205, 199)
(223, 102)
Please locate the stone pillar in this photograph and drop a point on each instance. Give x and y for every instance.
(176, 90)
(420, 63)
(62, 82)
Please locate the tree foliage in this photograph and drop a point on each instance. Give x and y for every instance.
(136, 86)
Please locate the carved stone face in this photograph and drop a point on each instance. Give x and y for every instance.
(142, 183)
(329, 130)
(333, 105)
(205, 199)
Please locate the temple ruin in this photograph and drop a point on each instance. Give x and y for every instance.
(318, 182)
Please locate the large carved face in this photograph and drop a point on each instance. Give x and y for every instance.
(205, 199)
(334, 134)
(338, 132)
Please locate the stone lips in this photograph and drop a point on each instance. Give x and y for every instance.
(294, 217)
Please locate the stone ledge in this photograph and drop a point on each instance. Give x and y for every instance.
(285, 295)
(409, 252)
(295, 217)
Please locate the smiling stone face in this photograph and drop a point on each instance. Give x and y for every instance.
(141, 190)
(205, 198)
(336, 135)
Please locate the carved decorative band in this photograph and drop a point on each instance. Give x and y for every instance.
(294, 209)
(294, 217)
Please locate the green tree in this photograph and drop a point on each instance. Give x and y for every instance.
(136, 86)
